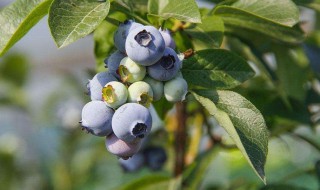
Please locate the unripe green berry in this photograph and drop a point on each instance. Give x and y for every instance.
(130, 71)
(114, 94)
(140, 92)
(175, 90)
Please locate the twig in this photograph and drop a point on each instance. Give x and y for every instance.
(180, 138)
(189, 53)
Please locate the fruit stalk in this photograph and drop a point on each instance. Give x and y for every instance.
(181, 137)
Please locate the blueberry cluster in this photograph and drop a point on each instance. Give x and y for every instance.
(144, 68)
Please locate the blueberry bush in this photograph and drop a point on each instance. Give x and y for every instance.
(221, 78)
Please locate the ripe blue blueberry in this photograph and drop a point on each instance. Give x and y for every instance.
(114, 94)
(157, 87)
(133, 164)
(167, 67)
(97, 83)
(120, 148)
(113, 62)
(130, 71)
(155, 157)
(122, 32)
(131, 121)
(175, 90)
(96, 118)
(140, 92)
(145, 45)
(168, 40)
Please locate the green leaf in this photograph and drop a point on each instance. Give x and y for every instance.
(155, 182)
(242, 121)
(70, 20)
(241, 22)
(313, 4)
(141, 5)
(289, 69)
(216, 68)
(18, 18)
(283, 12)
(184, 10)
(209, 32)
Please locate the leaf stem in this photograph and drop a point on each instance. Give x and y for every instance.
(131, 14)
(180, 138)
(112, 21)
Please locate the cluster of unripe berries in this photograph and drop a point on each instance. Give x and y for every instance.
(144, 68)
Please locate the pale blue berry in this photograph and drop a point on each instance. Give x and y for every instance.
(131, 121)
(145, 45)
(113, 62)
(167, 67)
(96, 118)
(122, 32)
(97, 83)
(168, 40)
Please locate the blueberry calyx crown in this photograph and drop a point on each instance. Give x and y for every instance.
(139, 129)
(124, 73)
(145, 99)
(143, 38)
(167, 62)
(108, 94)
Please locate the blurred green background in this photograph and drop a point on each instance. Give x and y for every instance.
(42, 147)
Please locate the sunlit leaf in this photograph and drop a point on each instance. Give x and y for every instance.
(242, 121)
(18, 18)
(70, 20)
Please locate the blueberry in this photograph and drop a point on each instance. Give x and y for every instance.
(175, 90)
(131, 121)
(113, 62)
(168, 40)
(157, 87)
(130, 71)
(167, 67)
(97, 118)
(140, 92)
(114, 94)
(145, 45)
(155, 157)
(122, 32)
(120, 148)
(97, 83)
(133, 164)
